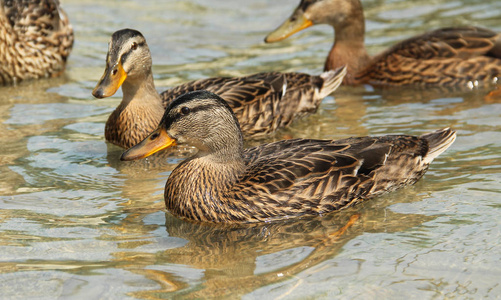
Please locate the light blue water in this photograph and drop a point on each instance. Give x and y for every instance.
(77, 223)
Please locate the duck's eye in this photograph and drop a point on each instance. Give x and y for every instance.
(114, 72)
(185, 110)
(134, 46)
(154, 135)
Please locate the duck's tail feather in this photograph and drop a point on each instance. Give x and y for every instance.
(332, 80)
(438, 142)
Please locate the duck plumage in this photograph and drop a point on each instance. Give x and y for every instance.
(224, 183)
(36, 39)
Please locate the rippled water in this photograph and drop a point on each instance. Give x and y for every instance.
(76, 222)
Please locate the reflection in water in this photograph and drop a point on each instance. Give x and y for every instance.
(236, 260)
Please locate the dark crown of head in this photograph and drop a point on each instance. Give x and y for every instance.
(125, 34)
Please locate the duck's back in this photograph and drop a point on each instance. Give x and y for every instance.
(446, 56)
(35, 38)
(264, 102)
(302, 177)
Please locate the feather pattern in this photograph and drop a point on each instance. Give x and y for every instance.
(35, 39)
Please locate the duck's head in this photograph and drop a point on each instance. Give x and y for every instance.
(337, 13)
(201, 119)
(128, 58)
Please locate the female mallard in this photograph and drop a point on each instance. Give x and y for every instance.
(225, 183)
(35, 39)
(262, 102)
(447, 56)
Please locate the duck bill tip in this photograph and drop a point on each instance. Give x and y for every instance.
(110, 82)
(156, 141)
(292, 25)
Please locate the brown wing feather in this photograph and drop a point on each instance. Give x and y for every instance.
(262, 102)
(449, 56)
(298, 177)
(35, 39)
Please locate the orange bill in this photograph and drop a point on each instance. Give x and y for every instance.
(295, 23)
(156, 141)
(110, 82)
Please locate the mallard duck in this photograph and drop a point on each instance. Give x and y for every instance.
(35, 39)
(224, 183)
(262, 102)
(446, 57)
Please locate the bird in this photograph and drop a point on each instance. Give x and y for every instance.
(36, 39)
(462, 56)
(263, 102)
(225, 183)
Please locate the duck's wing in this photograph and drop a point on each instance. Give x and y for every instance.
(305, 92)
(264, 102)
(299, 177)
(254, 99)
(447, 56)
(239, 91)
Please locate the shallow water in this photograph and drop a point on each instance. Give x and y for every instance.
(75, 222)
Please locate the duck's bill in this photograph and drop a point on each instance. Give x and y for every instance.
(110, 82)
(295, 23)
(156, 141)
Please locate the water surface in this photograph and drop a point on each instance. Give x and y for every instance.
(75, 222)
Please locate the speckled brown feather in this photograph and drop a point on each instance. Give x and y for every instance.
(35, 39)
(298, 177)
(263, 102)
(285, 179)
(446, 57)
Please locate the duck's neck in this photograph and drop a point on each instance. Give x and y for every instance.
(197, 189)
(141, 89)
(349, 48)
(138, 114)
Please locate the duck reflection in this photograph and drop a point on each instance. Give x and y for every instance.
(235, 260)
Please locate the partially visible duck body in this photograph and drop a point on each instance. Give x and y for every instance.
(35, 40)
(445, 57)
(263, 102)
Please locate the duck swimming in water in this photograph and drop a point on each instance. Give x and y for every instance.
(225, 183)
(443, 57)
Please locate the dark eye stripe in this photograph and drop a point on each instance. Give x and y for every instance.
(126, 54)
(169, 119)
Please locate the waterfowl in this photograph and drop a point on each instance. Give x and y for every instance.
(262, 102)
(446, 56)
(36, 38)
(223, 183)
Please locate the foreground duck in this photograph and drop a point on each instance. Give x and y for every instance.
(262, 102)
(446, 57)
(35, 40)
(291, 178)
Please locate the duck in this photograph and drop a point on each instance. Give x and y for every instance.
(36, 39)
(225, 183)
(451, 57)
(262, 102)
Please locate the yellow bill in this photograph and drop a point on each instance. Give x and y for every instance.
(295, 23)
(156, 141)
(110, 82)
